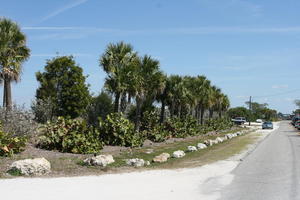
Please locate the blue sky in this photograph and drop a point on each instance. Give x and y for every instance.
(245, 47)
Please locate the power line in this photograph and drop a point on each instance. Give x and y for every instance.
(277, 94)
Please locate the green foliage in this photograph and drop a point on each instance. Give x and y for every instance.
(64, 84)
(70, 135)
(100, 106)
(10, 144)
(117, 130)
(238, 112)
(218, 124)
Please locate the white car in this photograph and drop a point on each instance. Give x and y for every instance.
(259, 121)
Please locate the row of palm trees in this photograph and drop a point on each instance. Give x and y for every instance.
(130, 76)
(13, 53)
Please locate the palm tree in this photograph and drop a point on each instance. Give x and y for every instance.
(213, 95)
(115, 62)
(148, 82)
(13, 52)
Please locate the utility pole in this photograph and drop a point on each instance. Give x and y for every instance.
(250, 110)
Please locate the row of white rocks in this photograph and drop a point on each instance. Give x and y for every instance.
(41, 166)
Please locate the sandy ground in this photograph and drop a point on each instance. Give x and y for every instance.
(198, 183)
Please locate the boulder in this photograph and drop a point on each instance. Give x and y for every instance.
(219, 139)
(136, 162)
(178, 154)
(201, 146)
(234, 135)
(161, 158)
(147, 163)
(27, 167)
(229, 136)
(191, 148)
(100, 160)
(239, 133)
(209, 142)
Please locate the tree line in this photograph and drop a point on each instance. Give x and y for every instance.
(133, 81)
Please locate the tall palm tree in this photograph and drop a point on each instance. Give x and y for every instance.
(115, 61)
(13, 53)
(148, 82)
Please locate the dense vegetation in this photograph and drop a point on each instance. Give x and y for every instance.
(258, 111)
(138, 101)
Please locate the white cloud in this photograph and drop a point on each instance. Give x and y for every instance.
(280, 86)
(62, 54)
(63, 9)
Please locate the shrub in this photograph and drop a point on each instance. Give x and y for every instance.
(10, 144)
(100, 106)
(17, 121)
(43, 110)
(70, 135)
(117, 130)
(218, 124)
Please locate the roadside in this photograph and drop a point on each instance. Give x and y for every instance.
(194, 183)
(66, 164)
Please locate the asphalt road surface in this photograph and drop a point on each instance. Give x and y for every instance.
(271, 171)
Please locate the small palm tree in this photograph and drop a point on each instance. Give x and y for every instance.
(13, 52)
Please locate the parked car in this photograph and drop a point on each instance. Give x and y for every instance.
(294, 119)
(297, 124)
(259, 121)
(267, 125)
(239, 120)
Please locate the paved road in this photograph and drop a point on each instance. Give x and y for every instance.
(271, 171)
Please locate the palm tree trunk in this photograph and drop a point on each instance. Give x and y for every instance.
(162, 111)
(123, 102)
(138, 114)
(211, 112)
(7, 101)
(201, 115)
(172, 109)
(4, 94)
(129, 99)
(220, 114)
(179, 111)
(117, 100)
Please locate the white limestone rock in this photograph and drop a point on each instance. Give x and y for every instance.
(136, 162)
(161, 158)
(229, 136)
(27, 167)
(100, 160)
(219, 139)
(178, 154)
(201, 146)
(192, 148)
(209, 142)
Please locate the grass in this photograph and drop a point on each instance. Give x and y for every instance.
(217, 152)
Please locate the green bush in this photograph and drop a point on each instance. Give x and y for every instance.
(70, 135)
(218, 124)
(117, 130)
(10, 144)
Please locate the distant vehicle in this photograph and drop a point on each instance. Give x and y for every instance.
(267, 125)
(259, 121)
(239, 120)
(294, 119)
(297, 124)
